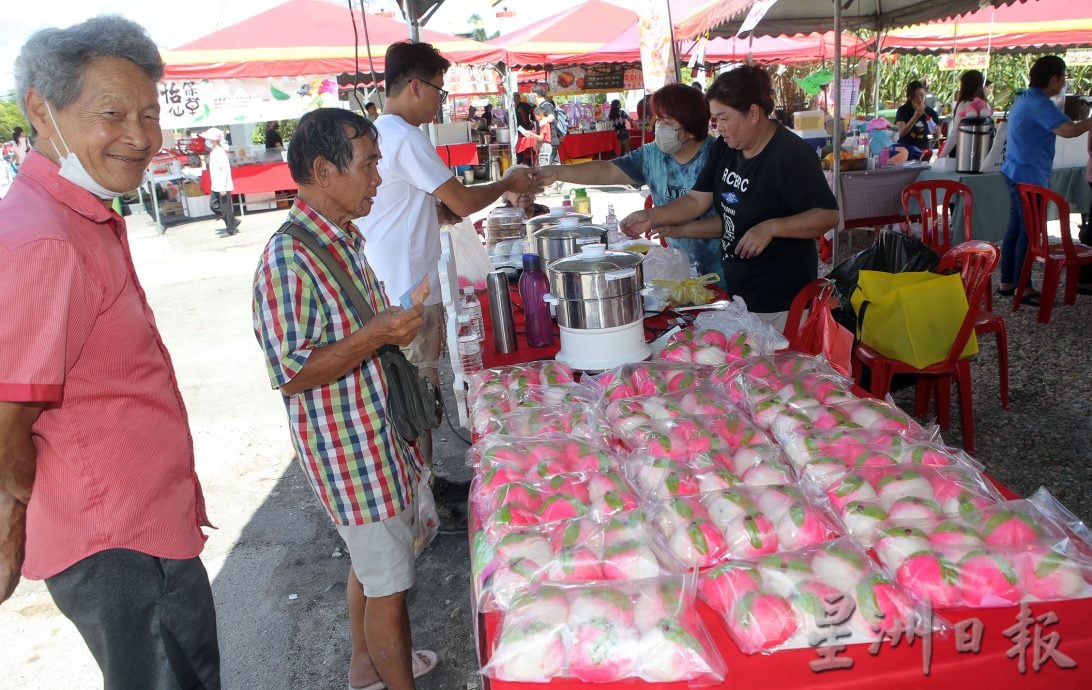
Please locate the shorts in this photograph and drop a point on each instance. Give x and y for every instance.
(424, 351)
(382, 552)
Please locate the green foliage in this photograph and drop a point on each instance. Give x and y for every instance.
(287, 128)
(11, 117)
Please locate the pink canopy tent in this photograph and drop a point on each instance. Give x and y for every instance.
(1035, 24)
(304, 37)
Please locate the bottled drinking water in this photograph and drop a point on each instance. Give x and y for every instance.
(614, 235)
(473, 306)
(470, 349)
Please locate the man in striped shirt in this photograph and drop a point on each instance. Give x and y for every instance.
(322, 357)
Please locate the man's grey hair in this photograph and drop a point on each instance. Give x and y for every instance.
(53, 61)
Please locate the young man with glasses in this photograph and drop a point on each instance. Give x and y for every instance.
(402, 231)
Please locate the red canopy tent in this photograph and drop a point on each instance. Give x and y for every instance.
(303, 37)
(574, 35)
(1033, 24)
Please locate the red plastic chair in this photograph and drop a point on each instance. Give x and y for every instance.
(975, 261)
(934, 199)
(1066, 255)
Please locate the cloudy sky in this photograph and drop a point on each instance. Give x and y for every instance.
(174, 23)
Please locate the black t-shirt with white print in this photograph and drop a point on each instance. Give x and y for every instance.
(783, 180)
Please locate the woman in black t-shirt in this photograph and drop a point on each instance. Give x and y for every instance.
(771, 198)
(916, 122)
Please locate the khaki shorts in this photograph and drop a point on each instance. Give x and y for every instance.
(425, 349)
(382, 552)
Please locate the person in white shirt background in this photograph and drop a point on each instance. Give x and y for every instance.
(402, 232)
(220, 181)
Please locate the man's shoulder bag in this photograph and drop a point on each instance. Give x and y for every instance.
(414, 405)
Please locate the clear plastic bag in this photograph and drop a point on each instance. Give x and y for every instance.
(538, 373)
(541, 457)
(870, 499)
(606, 632)
(645, 378)
(573, 419)
(427, 522)
(789, 599)
(626, 415)
(746, 522)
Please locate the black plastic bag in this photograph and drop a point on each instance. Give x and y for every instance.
(892, 252)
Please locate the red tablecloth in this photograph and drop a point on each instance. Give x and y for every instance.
(260, 177)
(587, 144)
(892, 668)
(458, 154)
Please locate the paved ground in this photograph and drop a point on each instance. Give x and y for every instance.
(278, 576)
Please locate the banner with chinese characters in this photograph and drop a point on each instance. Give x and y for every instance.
(964, 61)
(209, 102)
(654, 36)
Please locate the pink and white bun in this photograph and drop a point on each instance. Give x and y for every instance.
(825, 471)
(603, 651)
(630, 561)
(814, 598)
(852, 487)
(626, 527)
(588, 604)
(678, 513)
(511, 579)
(775, 501)
(751, 535)
(931, 577)
(802, 526)
(723, 585)
(1048, 575)
(988, 579)
(668, 652)
(546, 607)
(782, 574)
(655, 603)
(578, 564)
(766, 473)
(1009, 528)
(884, 605)
(561, 507)
(840, 568)
(949, 490)
(525, 545)
(954, 540)
(572, 533)
(914, 509)
(762, 621)
(903, 485)
(716, 479)
(699, 544)
(896, 544)
(863, 520)
(532, 654)
(726, 506)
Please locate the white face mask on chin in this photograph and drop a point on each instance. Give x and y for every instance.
(667, 138)
(72, 168)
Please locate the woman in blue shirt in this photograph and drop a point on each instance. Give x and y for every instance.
(669, 165)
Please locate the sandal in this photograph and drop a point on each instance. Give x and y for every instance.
(1031, 299)
(1006, 292)
(424, 661)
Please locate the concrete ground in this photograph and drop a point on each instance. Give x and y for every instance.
(278, 574)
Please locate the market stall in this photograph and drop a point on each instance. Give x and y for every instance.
(989, 644)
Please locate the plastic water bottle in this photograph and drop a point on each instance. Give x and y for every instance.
(532, 287)
(614, 235)
(470, 349)
(473, 306)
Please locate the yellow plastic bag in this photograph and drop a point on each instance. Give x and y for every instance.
(688, 292)
(913, 317)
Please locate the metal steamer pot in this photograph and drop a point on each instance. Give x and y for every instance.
(537, 223)
(566, 239)
(597, 288)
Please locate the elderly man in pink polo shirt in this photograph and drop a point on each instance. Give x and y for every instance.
(97, 478)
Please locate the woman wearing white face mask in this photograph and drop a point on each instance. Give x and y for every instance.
(669, 166)
(769, 193)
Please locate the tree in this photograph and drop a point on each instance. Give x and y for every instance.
(478, 33)
(11, 117)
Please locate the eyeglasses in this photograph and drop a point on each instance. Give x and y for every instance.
(443, 92)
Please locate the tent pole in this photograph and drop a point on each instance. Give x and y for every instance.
(513, 94)
(836, 138)
(878, 73)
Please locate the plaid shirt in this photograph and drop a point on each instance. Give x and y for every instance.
(357, 464)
